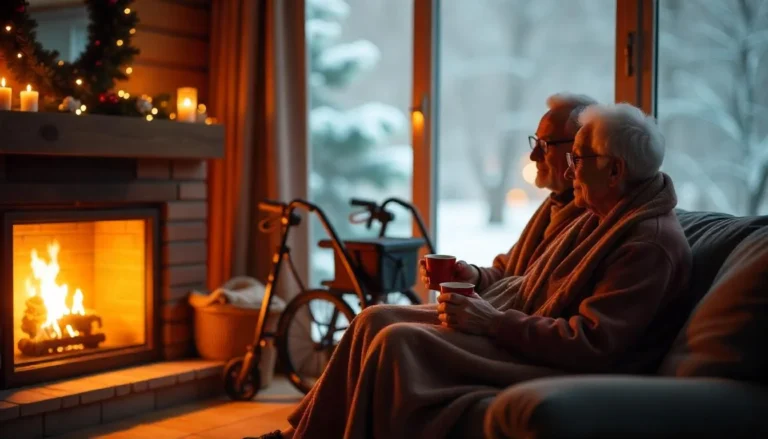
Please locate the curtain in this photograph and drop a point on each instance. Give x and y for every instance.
(258, 91)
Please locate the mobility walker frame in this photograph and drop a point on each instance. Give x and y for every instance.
(358, 271)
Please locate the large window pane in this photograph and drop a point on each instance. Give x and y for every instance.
(712, 102)
(360, 91)
(498, 62)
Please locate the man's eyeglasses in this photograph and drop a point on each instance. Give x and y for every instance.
(574, 161)
(545, 144)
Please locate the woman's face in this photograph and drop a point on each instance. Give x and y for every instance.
(595, 177)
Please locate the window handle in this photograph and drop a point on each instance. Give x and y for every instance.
(629, 55)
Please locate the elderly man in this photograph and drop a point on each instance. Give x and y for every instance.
(554, 138)
(585, 305)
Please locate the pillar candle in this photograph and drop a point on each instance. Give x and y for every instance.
(28, 99)
(5, 96)
(186, 104)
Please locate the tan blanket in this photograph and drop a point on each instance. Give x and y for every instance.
(398, 374)
(551, 218)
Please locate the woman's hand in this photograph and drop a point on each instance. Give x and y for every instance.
(462, 272)
(470, 314)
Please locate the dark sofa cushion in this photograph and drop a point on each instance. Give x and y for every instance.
(712, 237)
(727, 332)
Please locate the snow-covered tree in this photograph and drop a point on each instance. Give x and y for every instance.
(346, 143)
(713, 105)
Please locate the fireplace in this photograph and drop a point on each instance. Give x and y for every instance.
(83, 284)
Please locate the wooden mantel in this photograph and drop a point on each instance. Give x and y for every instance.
(107, 136)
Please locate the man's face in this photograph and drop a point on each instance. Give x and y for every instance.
(551, 165)
(591, 173)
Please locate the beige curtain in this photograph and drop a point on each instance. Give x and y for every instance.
(258, 91)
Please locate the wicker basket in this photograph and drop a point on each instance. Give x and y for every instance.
(223, 332)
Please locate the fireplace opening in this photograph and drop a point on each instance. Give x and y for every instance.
(82, 291)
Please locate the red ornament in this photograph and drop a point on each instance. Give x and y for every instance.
(97, 42)
(102, 98)
(113, 99)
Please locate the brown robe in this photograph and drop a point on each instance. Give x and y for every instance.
(554, 215)
(580, 307)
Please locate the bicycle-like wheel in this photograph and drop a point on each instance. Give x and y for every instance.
(307, 334)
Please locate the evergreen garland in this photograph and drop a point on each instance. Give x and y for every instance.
(89, 79)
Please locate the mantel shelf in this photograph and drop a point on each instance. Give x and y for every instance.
(106, 136)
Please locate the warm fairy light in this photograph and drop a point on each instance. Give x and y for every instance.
(172, 116)
(18, 55)
(210, 120)
(128, 70)
(154, 111)
(201, 108)
(149, 118)
(83, 107)
(127, 11)
(79, 81)
(132, 31)
(120, 93)
(78, 112)
(126, 95)
(516, 197)
(119, 43)
(61, 63)
(8, 28)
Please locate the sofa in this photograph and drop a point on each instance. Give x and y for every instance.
(711, 380)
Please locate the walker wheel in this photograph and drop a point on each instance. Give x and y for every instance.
(250, 386)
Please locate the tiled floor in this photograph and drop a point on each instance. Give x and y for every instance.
(218, 418)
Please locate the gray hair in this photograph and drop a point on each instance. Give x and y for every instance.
(571, 103)
(624, 131)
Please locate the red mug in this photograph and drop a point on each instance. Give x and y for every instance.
(440, 269)
(462, 288)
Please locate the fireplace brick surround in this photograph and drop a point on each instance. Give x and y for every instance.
(64, 161)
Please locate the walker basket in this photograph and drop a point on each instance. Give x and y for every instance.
(383, 265)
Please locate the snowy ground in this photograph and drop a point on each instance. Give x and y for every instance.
(463, 231)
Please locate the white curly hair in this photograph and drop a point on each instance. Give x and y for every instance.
(571, 103)
(624, 131)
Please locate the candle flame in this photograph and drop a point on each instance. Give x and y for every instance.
(2, 82)
(29, 87)
(187, 102)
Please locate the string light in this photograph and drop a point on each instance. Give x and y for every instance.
(127, 95)
(128, 70)
(154, 111)
(83, 107)
(132, 31)
(149, 118)
(119, 43)
(8, 28)
(61, 63)
(79, 81)
(172, 116)
(18, 55)
(78, 112)
(120, 93)
(127, 11)
(201, 108)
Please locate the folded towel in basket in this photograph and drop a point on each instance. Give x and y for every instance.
(240, 291)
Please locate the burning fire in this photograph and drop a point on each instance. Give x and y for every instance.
(54, 295)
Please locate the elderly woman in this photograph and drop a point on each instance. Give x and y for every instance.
(585, 305)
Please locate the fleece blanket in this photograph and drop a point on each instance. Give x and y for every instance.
(397, 373)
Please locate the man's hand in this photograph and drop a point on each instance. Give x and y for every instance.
(470, 314)
(462, 272)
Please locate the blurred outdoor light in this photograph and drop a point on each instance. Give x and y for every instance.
(417, 119)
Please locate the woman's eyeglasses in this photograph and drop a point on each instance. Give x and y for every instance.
(545, 144)
(574, 161)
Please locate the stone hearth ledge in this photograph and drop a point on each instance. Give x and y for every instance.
(63, 406)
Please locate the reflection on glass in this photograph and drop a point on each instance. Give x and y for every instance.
(712, 103)
(62, 25)
(359, 87)
(498, 62)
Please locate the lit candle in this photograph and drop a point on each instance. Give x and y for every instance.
(5, 96)
(186, 104)
(28, 99)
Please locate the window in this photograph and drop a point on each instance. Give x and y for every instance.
(712, 104)
(498, 61)
(359, 90)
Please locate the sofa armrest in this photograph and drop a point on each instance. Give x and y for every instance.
(628, 407)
